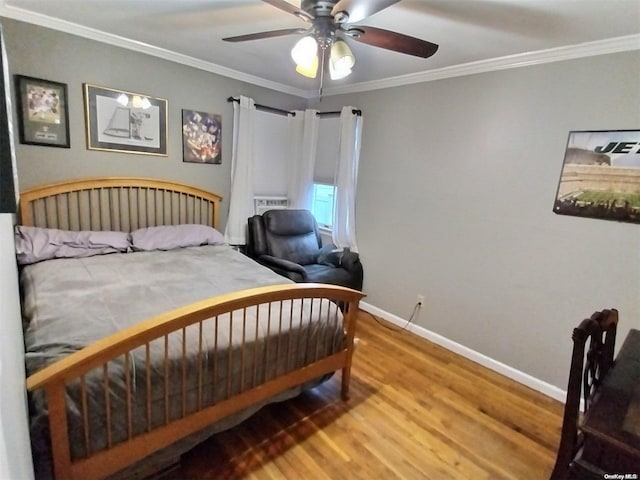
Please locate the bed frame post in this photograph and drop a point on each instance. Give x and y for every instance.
(58, 430)
(350, 316)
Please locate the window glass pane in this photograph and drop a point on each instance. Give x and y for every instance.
(322, 208)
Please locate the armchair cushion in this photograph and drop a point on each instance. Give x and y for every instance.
(292, 235)
(324, 274)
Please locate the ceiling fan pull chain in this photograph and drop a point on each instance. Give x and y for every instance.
(321, 73)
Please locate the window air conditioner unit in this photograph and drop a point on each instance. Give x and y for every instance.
(262, 204)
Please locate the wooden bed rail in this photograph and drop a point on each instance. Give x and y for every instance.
(102, 355)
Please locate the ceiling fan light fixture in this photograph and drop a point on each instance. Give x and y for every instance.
(338, 74)
(330, 24)
(341, 61)
(309, 70)
(305, 51)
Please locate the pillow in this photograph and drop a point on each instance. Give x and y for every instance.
(168, 237)
(34, 244)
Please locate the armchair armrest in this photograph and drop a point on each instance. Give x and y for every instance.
(350, 261)
(345, 259)
(282, 266)
(330, 255)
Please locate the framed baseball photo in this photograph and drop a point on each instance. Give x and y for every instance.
(43, 114)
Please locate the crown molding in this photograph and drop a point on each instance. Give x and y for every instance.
(588, 49)
(141, 47)
(601, 47)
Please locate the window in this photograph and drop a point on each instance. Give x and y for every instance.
(322, 205)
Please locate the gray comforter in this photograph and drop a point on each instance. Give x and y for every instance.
(71, 303)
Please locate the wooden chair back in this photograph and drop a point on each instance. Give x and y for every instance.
(588, 369)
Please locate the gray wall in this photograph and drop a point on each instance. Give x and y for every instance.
(52, 55)
(456, 186)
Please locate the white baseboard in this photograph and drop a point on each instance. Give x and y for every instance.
(499, 367)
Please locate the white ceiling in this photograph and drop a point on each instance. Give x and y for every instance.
(473, 35)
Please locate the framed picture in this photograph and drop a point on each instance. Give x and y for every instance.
(201, 133)
(600, 176)
(126, 122)
(43, 114)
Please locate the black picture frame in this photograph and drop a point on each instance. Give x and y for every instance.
(600, 176)
(43, 113)
(125, 122)
(201, 137)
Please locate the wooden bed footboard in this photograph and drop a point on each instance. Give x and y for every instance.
(116, 352)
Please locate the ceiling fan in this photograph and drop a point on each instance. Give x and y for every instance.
(330, 23)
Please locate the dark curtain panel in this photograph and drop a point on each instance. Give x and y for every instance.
(7, 188)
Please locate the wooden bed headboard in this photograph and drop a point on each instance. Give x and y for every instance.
(117, 203)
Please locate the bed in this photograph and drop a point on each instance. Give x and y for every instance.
(136, 354)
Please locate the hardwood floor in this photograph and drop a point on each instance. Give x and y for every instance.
(417, 411)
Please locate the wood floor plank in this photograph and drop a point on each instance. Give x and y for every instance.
(416, 411)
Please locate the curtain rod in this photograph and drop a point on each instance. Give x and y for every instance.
(280, 111)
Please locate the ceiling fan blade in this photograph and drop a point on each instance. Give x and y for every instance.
(391, 41)
(272, 33)
(292, 9)
(357, 10)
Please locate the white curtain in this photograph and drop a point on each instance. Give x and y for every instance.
(344, 220)
(302, 157)
(241, 195)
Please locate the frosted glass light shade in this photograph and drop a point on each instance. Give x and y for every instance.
(305, 51)
(309, 71)
(338, 74)
(341, 56)
(341, 60)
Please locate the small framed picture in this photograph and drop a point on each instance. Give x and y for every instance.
(201, 133)
(126, 122)
(600, 176)
(43, 113)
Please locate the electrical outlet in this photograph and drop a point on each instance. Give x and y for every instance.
(420, 300)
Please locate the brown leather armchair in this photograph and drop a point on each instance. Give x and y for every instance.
(288, 242)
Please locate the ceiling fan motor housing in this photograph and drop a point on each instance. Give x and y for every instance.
(319, 8)
(324, 30)
(322, 8)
